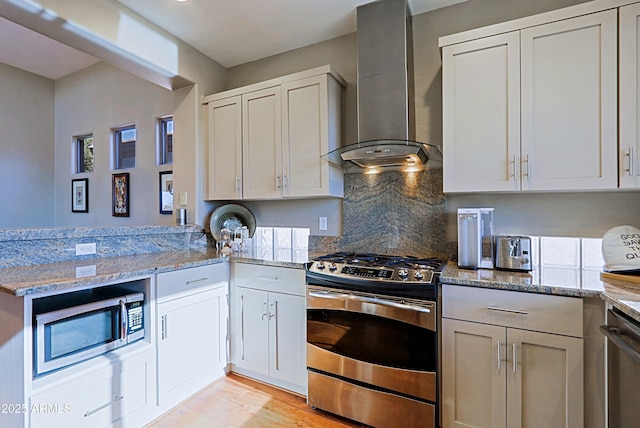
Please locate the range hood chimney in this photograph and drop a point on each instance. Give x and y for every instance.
(386, 126)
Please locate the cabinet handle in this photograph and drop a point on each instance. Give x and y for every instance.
(267, 278)
(164, 327)
(272, 313)
(104, 406)
(278, 182)
(264, 310)
(515, 357)
(499, 356)
(526, 170)
(511, 311)
(629, 155)
(237, 184)
(285, 182)
(195, 280)
(513, 162)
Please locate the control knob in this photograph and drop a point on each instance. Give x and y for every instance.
(320, 265)
(418, 275)
(332, 266)
(403, 273)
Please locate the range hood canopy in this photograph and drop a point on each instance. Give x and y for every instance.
(386, 155)
(386, 125)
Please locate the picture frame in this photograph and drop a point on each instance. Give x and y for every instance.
(120, 194)
(80, 195)
(166, 192)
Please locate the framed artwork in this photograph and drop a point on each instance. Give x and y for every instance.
(80, 195)
(166, 192)
(120, 194)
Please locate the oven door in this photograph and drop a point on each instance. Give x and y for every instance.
(388, 343)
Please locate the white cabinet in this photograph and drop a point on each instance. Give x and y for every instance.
(629, 71)
(481, 114)
(224, 151)
(279, 129)
(262, 144)
(269, 325)
(109, 396)
(533, 109)
(311, 127)
(192, 330)
(511, 359)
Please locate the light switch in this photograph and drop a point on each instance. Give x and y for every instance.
(183, 198)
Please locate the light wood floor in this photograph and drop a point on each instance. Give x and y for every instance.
(236, 401)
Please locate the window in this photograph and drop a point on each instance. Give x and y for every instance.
(83, 147)
(124, 142)
(165, 140)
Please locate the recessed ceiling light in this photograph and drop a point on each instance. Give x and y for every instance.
(182, 1)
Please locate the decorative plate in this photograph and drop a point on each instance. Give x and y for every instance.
(231, 216)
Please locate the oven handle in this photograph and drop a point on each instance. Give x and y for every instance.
(614, 334)
(377, 301)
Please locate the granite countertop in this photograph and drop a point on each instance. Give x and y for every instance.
(556, 281)
(24, 280)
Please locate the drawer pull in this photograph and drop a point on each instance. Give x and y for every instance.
(499, 356)
(515, 357)
(267, 278)
(511, 311)
(104, 406)
(196, 280)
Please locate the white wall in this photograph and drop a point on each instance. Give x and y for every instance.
(26, 149)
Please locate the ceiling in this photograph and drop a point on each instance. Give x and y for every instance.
(230, 32)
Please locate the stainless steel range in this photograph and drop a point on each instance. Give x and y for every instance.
(372, 345)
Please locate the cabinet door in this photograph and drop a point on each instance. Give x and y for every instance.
(569, 104)
(473, 375)
(192, 338)
(306, 135)
(252, 330)
(629, 72)
(544, 380)
(262, 144)
(287, 338)
(224, 149)
(481, 114)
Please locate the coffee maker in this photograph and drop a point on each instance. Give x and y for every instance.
(475, 238)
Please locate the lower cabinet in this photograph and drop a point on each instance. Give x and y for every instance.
(192, 330)
(269, 325)
(120, 394)
(498, 372)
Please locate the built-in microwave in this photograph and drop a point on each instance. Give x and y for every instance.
(73, 327)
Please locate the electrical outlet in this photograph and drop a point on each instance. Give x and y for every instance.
(183, 198)
(85, 271)
(84, 249)
(322, 223)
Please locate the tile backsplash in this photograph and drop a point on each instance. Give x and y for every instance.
(288, 244)
(577, 253)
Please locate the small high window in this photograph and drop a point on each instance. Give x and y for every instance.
(124, 144)
(165, 140)
(83, 148)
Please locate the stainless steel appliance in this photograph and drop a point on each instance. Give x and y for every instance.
(475, 238)
(623, 372)
(372, 343)
(74, 327)
(513, 253)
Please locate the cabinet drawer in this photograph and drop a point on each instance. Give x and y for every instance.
(270, 278)
(527, 311)
(97, 399)
(184, 282)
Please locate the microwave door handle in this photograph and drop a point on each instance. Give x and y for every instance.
(123, 320)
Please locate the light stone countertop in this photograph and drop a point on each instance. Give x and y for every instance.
(24, 280)
(556, 281)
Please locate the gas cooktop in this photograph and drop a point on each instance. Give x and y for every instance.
(392, 275)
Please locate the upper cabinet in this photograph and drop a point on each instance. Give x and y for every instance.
(533, 106)
(629, 72)
(266, 141)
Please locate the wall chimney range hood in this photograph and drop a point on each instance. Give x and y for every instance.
(386, 126)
